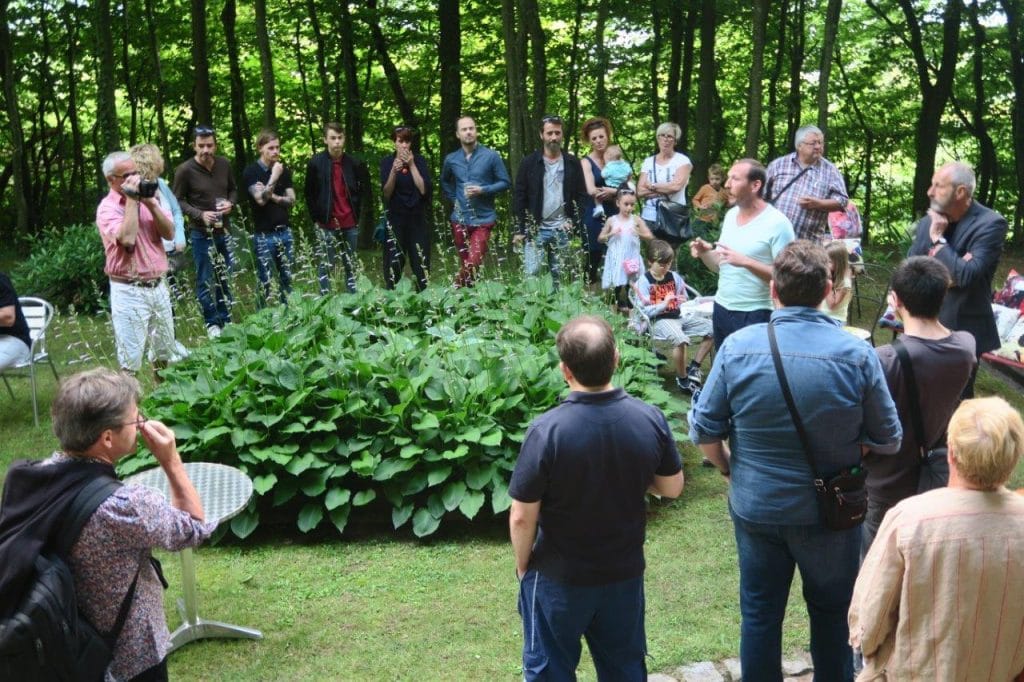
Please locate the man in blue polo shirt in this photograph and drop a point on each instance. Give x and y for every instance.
(578, 515)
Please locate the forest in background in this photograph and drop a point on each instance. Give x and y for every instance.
(898, 86)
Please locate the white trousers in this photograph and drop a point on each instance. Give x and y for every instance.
(140, 314)
(13, 351)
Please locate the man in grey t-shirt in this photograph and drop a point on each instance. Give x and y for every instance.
(549, 193)
(942, 361)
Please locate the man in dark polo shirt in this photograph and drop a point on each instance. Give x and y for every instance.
(270, 188)
(335, 182)
(14, 338)
(578, 515)
(205, 187)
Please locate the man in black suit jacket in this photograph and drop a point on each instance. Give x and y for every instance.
(968, 239)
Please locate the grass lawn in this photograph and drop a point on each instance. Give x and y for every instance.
(378, 604)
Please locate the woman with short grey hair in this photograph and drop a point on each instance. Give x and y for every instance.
(664, 176)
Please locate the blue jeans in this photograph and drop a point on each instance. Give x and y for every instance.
(828, 561)
(556, 615)
(273, 247)
(214, 296)
(331, 243)
(554, 244)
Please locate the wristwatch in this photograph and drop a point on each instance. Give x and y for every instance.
(940, 240)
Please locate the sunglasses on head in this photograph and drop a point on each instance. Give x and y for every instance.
(552, 119)
(203, 131)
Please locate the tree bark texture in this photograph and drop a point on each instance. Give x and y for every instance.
(760, 28)
(107, 128)
(266, 65)
(705, 92)
(450, 53)
(202, 103)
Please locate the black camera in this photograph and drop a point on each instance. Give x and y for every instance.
(148, 188)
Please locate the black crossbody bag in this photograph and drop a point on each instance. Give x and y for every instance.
(842, 499)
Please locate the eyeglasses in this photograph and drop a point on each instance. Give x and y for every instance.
(552, 119)
(204, 131)
(125, 175)
(138, 421)
(667, 136)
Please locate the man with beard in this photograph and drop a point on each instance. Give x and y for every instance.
(968, 239)
(548, 197)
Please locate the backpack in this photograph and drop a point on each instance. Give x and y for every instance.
(45, 637)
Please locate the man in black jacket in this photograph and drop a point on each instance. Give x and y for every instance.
(335, 183)
(547, 200)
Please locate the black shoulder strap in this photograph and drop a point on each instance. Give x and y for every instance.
(773, 197)
(915, 405)
(82, 507)
(797, 422)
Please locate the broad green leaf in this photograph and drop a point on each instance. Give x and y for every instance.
(262, 484)
(326, 444)
(500, 501)
(399, 515)
(453, 494)
(244, 524)
(294, 427)
(471, 503)
(329, 427)
(492, 439)
(423, 523)
(365, 464)
(311, 514)
(299, 464)
(435, 476)
(417, 483)
(389, 467)
(459, 452)
(242, 437)
(410, 450)
(471, 435)
(339, 517)
(364, 497)
(429, 421)
(313, 483)
(435, 505)
(479, 475)
(337, 497)
(207, 435)
(285, 490)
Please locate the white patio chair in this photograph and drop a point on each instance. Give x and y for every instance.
(38, 314)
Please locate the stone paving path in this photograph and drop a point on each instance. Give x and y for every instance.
(794, 669)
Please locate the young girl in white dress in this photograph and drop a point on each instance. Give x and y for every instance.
(622, 261)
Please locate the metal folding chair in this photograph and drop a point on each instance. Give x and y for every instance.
(38, 314)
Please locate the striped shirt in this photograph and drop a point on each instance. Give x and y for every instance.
(940, 596)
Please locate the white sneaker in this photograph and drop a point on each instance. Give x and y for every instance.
(213, 331)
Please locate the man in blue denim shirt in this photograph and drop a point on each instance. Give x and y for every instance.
(844, 403)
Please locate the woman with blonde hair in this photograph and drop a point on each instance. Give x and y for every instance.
(150, 165)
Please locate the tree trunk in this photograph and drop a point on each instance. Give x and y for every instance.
(202, 104)
(515, 83)
(405, 108)
(538, 59)
(686, 81)
(988, 165)
(1015, 33)
(705, 92)
(797, 51)
(130, 83)
(869, 146)
(450, 54)
(673, 93)
(601, 61)
(240, 132)
(19, 168)
(760, 22)
(78, 174)
(266, 65)
(654, 92)
(773, 82)
(154, 55)
(324, 105)
(106, 100)
(354, 122)
(574, 67)
(832, 13)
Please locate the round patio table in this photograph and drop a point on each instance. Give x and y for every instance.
(224, 492)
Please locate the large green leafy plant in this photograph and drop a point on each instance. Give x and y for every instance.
(65, 267)
(421, 401)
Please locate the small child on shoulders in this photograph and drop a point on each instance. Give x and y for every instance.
(616, 173)
(661, 291)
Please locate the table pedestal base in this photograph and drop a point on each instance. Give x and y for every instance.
(193, 627)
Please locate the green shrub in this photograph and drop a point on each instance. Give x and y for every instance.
(65, 267)
(419, 401)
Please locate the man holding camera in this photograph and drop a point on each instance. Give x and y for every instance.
(131, 222)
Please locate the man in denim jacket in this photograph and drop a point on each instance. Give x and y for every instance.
(842, 398)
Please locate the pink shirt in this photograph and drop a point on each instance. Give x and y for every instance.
(147, 260)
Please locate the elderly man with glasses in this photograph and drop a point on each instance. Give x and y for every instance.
(131, 223)
(806, 186)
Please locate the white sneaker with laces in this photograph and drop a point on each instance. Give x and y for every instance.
(213, 331)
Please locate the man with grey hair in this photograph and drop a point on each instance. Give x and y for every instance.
(131, 222)
(806, 186)
(968, 239)
(97, 421)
